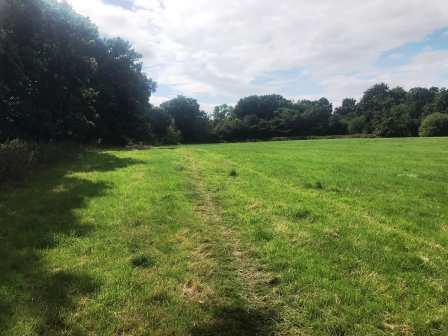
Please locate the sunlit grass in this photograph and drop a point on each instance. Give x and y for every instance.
(325, 237)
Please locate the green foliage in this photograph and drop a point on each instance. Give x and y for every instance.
(16, 157)
(188, 118)
(435, 124)
(316, 115)
(124, 91)
(357, 125)
(263, 107)
(348, 108)
(263, 117)
(172, 136)
(382, 111)
(419, 99)
(221, 113)
(60, 81)
(20, 158)
(395, 123)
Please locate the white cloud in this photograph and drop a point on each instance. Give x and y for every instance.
(427, 69)
(157, 100)
(215, 49)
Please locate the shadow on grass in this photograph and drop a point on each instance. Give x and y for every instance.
(34, 218)
(238, 322)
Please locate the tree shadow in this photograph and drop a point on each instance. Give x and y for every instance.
(236, 321)
(36, 217)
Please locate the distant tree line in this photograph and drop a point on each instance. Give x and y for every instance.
(61, 81)
(381, 111)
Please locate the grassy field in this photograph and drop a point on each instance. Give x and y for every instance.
(324, 237)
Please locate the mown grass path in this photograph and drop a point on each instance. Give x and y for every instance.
(253, 310)
(346, 237)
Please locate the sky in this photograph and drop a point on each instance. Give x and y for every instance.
(219, 51)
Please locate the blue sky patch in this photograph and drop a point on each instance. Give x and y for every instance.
(438, 40)
(291, 82)
(126, 4)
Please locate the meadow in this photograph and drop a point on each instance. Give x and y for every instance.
(319, 237)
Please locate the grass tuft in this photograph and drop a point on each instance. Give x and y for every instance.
(233, 173)
(142, 261)
(302, 214)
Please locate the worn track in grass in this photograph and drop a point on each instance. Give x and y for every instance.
(258, 314)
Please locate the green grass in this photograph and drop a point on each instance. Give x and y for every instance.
(322, 237)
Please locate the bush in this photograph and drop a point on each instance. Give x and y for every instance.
(18, 158)
(435, 124)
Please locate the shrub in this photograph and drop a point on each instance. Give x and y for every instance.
(435, 124)
(18, 158)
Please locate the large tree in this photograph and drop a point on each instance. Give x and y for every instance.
(188, 118)
(60, 81)
(123, 93)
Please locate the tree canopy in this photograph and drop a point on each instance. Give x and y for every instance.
(59, 80)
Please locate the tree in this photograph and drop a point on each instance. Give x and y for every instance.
(188, 118)
(399, 95)
(396, 123)
(441, 101)
(46, 69)
(288, 122)
(348, 108)
(222, 112)
(316, 116)
(358, 125)
(160, 121)
(419, 99)
(172, 135)
(262, 107)
(376, 101)
(60, 81)
(123, 93)
(435, 124)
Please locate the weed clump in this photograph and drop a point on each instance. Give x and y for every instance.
(233, 173)
(160, 297)
(274, 281)
(261, 234)
(136, 223)
(302, 214)
(316, 185)
(142, 261)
